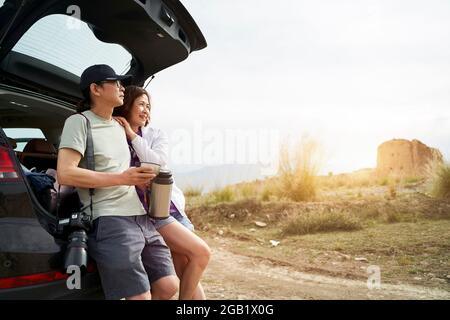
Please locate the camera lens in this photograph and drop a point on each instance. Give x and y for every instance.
(76, 253)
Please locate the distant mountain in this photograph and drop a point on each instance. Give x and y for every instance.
(212, 177)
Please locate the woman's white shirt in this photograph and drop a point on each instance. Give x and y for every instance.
(153, 146)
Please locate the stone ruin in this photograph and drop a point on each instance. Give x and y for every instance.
(404, 158)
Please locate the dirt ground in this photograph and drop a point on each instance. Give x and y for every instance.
(405, 234)
(235, 276)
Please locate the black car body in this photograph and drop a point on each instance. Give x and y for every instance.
(37, 94)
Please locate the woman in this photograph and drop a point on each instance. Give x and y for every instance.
(190, 253)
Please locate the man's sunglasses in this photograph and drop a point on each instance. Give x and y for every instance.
(117, 82)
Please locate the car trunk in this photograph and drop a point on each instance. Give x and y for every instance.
(38, 94)
(30, 257)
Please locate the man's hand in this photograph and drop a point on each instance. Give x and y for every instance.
(137, 176)
(70, 174)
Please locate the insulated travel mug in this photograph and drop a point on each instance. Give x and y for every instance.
(159, 207)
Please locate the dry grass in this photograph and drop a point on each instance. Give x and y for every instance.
(311, 223)
(298, 170)
(392, 222)
(392, 191)
(192, 191)
(325, 216)
(296, 180)
(268, 193)
(363, 179)
(226, 194)
(247, 190)
(439, 179)
(346, 180)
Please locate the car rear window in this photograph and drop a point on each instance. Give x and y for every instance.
(68, 43)
(23, 135)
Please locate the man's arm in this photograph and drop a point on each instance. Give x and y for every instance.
(70, 174)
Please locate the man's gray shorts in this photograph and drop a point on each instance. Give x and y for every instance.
(130, 254)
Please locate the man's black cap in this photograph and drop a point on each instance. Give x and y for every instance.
(101, 72)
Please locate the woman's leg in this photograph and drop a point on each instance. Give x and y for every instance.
(143, 296)
(182, 241)
(164, 288)
(180, 261)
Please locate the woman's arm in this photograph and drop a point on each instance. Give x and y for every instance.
(153, 146)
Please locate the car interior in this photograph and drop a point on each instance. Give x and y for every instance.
(21, 110)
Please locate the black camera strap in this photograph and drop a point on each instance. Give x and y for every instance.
(90, 165)
(89, 156)
(89, 153)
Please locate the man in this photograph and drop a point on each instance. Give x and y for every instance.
(129, 252)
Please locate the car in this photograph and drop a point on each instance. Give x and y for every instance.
(44, 47)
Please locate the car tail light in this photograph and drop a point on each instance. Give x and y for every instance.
(39, 278)
(28, 280)
(7, 169)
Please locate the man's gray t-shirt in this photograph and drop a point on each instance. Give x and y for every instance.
(111, 154)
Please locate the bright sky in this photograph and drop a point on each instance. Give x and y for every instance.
(349, 73)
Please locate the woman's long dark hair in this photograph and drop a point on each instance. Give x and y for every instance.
(131, 94)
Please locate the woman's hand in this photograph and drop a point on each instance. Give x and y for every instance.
(128, 131)
(145, 186)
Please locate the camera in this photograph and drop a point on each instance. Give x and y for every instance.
(76, 228)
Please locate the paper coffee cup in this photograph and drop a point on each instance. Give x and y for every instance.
(152, 165)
